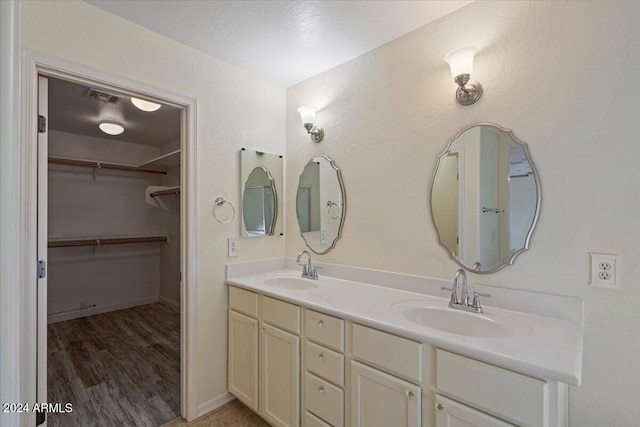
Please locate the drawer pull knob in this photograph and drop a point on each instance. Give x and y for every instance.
(262, 330)
(321, 389)
(321, 323)
(251, 326)
(321, 356)
(440, 406)
(411, 394)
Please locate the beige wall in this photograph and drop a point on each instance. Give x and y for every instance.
(235, 109)
(557, 73)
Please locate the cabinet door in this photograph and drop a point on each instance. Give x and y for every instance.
(243, 359)
(450, 413)
(279, 377)
(382, 400)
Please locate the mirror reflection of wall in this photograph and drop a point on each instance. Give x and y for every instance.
(485, 198)
(320, 204)
(262, 184)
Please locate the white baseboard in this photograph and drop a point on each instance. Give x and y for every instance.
(76, 314)
(170, 303)
(214, 404)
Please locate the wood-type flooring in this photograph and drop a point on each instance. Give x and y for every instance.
(117, 369)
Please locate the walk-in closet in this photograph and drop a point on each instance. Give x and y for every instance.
(114, 256)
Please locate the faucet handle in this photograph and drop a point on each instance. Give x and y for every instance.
(476, 300)
(454, 294)
(314, 273)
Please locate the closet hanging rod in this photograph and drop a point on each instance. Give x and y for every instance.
(165, 192)
(105, 241)
(102, 165)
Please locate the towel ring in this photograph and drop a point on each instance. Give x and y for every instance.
(331, 204)
(219, 201)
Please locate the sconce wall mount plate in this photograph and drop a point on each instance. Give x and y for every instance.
(315, 132)
(469, 91)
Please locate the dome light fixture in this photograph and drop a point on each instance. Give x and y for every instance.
(145, 105)
(111, 128)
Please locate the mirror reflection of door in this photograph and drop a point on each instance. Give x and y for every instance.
(303, 206)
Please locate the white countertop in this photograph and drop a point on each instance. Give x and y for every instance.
(544, 347)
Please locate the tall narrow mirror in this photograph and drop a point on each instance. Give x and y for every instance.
(485, 198)
(321, 204)
(262, 185)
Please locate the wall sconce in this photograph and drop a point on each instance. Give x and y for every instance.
(308, 116)
(461, 64)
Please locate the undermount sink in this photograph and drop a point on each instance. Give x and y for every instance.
(292, 283)
(452, 321)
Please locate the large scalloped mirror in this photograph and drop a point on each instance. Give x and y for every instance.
(485, 198)
(321, 204)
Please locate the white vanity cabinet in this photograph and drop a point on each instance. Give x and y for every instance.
(297, 366)
(453, 414)
(323, 389)
(379, 397)
(264, 356)
(479, 391)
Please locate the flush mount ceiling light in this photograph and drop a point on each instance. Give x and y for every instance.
(145, 105)
(461, 63)
(308, 116)
(111, 128)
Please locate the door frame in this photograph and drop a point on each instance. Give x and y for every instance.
(34, 64)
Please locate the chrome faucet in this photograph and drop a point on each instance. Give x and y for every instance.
(462, 275)
(308, 271)
(475, 306)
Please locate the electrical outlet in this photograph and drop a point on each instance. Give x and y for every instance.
(233, 246)
(604, 269)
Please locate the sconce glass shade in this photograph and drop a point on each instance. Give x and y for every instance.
(307, 114)
(111, 128)
(461, 61)
(308, 117)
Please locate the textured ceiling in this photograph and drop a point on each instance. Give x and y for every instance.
(282, 41)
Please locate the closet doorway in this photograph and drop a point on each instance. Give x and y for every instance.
(113, 247)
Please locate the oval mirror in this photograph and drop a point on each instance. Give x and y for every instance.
(485, 198)
(262, 177)
(259, 203)
(320, 204)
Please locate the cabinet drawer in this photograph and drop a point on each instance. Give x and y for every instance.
(388, 351)
(313, 421)
(281, 314)
(324, 329)
(515, 397)
(243, 301)
(325, 400)
(324, 362)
